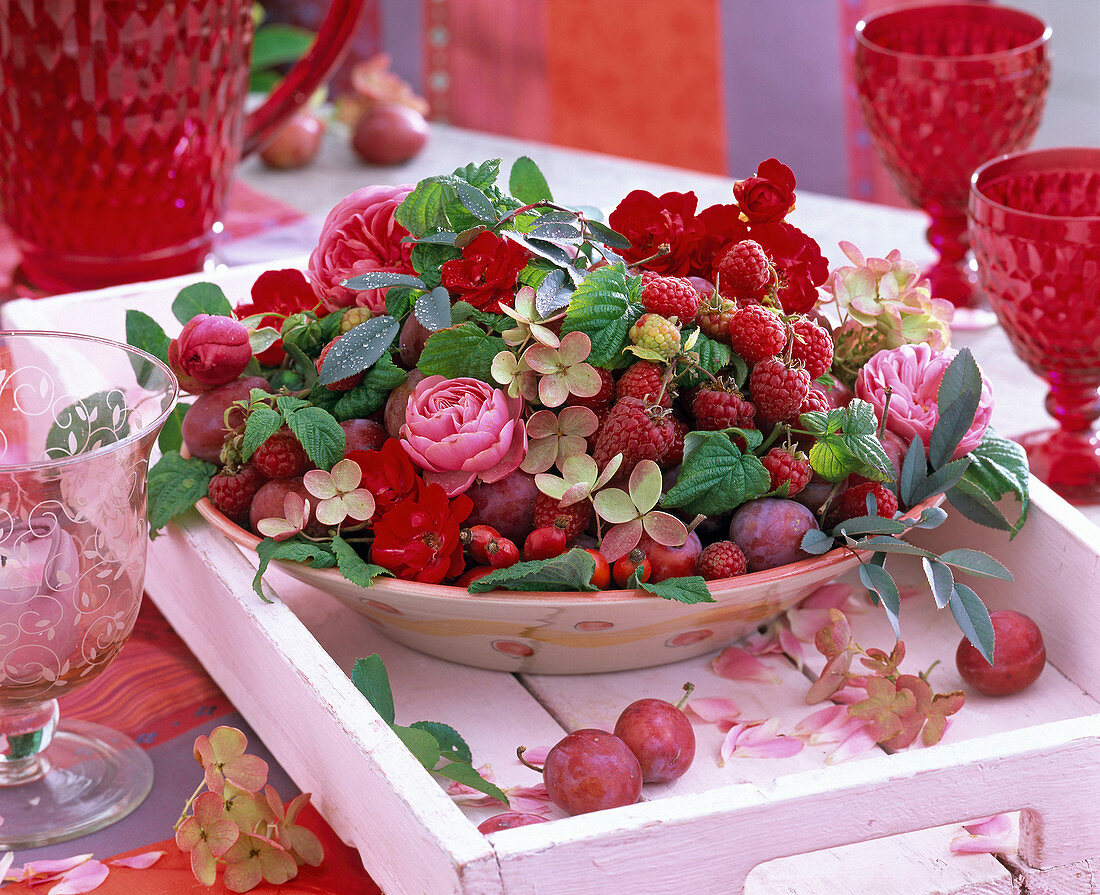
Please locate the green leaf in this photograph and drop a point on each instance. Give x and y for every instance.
(482, 176)
(463, 350)
(941, 480)
(817, 542)
(143, 332)
(467, 775)
(262, 423)
(553, 293)
(352, 566)
(420, 743)
(602, 308)
(556, 233)
(527, 183)
(914, 470)
(604, 234)
(318, 432)
(451, 744)
(433, 309)
(941, 580)
(359, 348)
(713, 357)
(381, 279)
(473, 200)
(571, 571)
(970, 499)
(859, 435)
(553, 253)
(716, 477)
(957, 401)
(876, 579)
(424, 209)
(176, 485)
(830, 458)
(314, 555)
(87, 424)
(400, 300)
(999, 467)
(429, 259)
(976, 562)
(201, 298)
(688, 589)
(367, 397)
(439, 238)
(930, 517)
(171, 435)
(886, 544)
(973, 619)
(278, 44)
(370, 678)
(862, 525)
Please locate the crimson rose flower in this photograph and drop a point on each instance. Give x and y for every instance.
(388, 474)
(799, 262)
(418, 539)
(360, 235)
(769, 196)
(281, 293)
(721, 225)
(486, 273)
(650, 221)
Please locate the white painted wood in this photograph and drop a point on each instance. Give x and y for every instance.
(1079, 878)
(412, 838)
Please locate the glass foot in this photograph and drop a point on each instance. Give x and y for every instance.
(1069, 462)
(93, 776)
(971, 319)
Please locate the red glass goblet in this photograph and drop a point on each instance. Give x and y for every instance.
(1035, 229)
(942, 89)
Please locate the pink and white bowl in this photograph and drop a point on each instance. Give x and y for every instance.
(564, 632)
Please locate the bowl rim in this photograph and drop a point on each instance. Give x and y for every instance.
(721, 589)
(1048, 158)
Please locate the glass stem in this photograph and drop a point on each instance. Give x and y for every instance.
(1073, 403)
(25, 732)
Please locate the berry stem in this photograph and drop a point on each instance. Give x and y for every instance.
(663, 249)
(523, 761)
(771, 439)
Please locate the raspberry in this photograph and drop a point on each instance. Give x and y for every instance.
(281, 456)
(715, 316)
(813, 346)
(722, 559)
(778, 390)
(816, 399)
(341, 385)
(635, 430)
(788, 469)
(853, 502)
(721, 409)
(757, 333)
(674, 453)
(232, 494)
(600, 401)
(352, 317)
(670, 297)
(572, 519)
(643, 379)
(656, 333)
(742, 270)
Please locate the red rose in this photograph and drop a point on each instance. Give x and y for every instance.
(418, 539)
(277, 294)
(721, 225)
(799, 262)
(388, 474)
(486, 273)
(650, 221)
(769, 196)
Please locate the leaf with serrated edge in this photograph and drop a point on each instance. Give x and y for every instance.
(863, 525)
(451, 744)
(571, 571)
(433, 309)
(717, 477)
(976, 562)
(816, 541)
(317, 556)
(467, 775)
(973, 620)
(527, 183)
(369, 676)
(175, 485)
(914, 469)
(320, 435)
(463, 350)
(601, 308)
(940, 580)
(352, 566)
(977, 506)
(891, 545)
(953, 422)
(420, 743)
(689, 589)
(263, 422)
(877, 579)
(475, 201)
(942, 480)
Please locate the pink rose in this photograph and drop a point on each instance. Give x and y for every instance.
(457, 430)
(360, 235)
(914, 372)
(211, 349)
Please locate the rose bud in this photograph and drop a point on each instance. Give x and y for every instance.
(214, 349)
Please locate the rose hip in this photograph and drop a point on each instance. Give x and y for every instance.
(601, 575)
(625, 566)
(1018, 656)
(671, 562)
(544, 543)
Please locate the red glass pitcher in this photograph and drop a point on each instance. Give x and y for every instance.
(121, 125)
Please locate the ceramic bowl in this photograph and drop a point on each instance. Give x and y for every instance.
(563, 632)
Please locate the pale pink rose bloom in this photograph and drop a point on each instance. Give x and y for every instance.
(360, 235)
(457, 430)
(914, 372)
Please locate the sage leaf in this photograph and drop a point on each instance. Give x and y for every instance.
(973, 619)
(359, 348)
(941, 580)
(875, 578)
(572, 570)
(433, 309)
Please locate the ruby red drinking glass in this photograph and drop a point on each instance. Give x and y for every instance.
(942, 89)
(121, 125)
(1035, 230)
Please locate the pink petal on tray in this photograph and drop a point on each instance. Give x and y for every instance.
(989, 835)
(758, 740)
(139, 862)
(828, 596)
(88, 877)
(856, 743)
(805, 623)
(713, 709)
(792, 646)
(735, 664)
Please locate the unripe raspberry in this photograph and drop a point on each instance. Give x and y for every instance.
(352, 317)
(656, 333)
